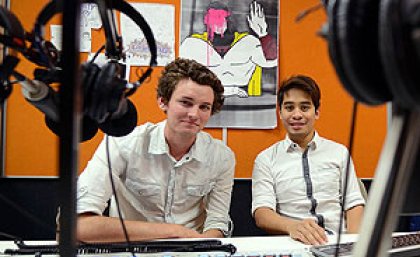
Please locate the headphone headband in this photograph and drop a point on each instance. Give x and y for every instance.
(120, 5)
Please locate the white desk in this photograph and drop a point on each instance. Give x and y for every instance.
(246, 246)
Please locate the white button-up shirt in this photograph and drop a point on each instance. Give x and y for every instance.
(152, 186)
(278, 180)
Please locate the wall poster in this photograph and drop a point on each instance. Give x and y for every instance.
(238, 41)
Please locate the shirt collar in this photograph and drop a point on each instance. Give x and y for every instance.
(198, 150)
(291, 146)
(158, 144)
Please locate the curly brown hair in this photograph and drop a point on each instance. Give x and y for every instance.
(181, 69)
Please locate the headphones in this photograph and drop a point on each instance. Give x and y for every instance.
(354, 50)
(105, 89)
(13, 37)
(373, 47)
(400, 49)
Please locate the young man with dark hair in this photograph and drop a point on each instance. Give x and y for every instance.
(172, 179)
(297, 183)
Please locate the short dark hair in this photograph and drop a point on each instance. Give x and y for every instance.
(301, 82)
(181, 69)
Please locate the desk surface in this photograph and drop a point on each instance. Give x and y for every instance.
(246, 246)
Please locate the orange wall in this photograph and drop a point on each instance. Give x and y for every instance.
(32, 149)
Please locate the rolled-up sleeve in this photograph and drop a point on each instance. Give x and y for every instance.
(263, 192)
(218, 202)
(354, 196)
(94, 185)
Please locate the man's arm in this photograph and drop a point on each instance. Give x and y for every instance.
(218, 222)
(95, 228)
(354, 218)
(306, 231)
(213, 233)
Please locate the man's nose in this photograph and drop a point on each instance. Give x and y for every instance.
(193, 112)
(297, 114)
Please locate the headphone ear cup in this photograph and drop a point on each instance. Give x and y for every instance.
(400, 50)
(89, 73)
(106, 92)
(353, 46)
(124, 124)
(89, 128)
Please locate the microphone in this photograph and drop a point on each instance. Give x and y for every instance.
(45, 99)
(118, 123)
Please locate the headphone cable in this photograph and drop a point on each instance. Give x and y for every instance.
(127, 239)
(347, 170)
(97, 54)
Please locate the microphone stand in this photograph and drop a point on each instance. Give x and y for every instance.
(392, 176)
(69, 110)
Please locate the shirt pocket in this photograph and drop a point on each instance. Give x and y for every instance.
(326, 181)
(200, 190)
(148, 194)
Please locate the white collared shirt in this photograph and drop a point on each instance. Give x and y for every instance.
(152, 186)
(278, 181)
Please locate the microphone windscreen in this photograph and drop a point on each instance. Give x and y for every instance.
(89, 128)
(122, 125)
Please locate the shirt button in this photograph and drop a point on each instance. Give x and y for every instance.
(187, 158)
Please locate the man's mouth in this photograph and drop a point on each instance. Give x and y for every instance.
(297, 125)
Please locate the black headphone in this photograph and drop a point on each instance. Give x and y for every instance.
(354, 49)
(400, 49)
(104, 87)
(374, 49)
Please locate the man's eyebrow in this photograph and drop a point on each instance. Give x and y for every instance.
(192, 99)
(289, 103)
(304, 102)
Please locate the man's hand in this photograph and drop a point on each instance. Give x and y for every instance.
(179, 231)
(308, 232)
(256, 19)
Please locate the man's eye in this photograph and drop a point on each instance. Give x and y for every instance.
(205, 107)
(305, 108)
(185, 103)
(288, 108)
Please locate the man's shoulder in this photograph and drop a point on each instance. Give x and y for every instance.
(206, 140)
(145, 128)
(141, 133)
(273, 149)
(328, 143)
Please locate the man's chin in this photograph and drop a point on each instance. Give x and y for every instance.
(190, 130)
(296, 133)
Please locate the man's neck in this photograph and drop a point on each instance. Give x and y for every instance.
(304, 140)
(179, 145)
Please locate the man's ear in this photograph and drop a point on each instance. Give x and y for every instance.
(279, 110)
(317, 114)
(162, 104)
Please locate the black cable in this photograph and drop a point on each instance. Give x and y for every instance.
(347, 169)
(308, 11)
(127, 239)
(96, 54)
